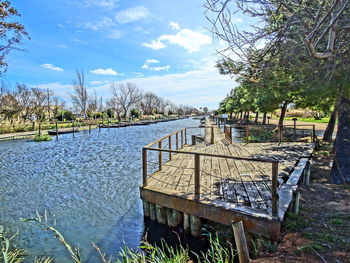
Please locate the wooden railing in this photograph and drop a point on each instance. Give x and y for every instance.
(180, 142)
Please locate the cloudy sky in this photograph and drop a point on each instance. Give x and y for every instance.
(161, 45)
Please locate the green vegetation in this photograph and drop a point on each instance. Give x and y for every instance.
(42, 138)
(323, 120)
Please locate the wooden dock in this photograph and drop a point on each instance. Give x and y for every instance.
(221, 182)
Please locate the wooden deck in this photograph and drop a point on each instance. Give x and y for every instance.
(224, 189)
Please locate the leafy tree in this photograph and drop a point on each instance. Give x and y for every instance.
(11, 32)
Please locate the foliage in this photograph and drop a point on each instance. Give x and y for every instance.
(65, 115)
(42, 138)
(135, 113)
(11, 32)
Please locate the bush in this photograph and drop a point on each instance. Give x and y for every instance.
(42, 138)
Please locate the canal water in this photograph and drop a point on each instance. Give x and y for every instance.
(88, 186)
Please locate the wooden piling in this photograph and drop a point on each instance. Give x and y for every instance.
(177, 218)
(73, 128)
(295, 202)
(185, 136)
(39, 128)
(182, 139)
(197, 175)
(212, 135)
(56, 130)
(146, 209)
(144, 167)
(196, 226)
(169, 142)
(169, 217)
(161, 214)
(177, 140)
(89, 126)
(152, 211)
(241, 242)
(186, 222)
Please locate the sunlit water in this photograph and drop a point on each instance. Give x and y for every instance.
(88, 185)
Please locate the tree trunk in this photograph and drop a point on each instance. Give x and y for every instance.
(231, 115)
(283, 113)
(328, 134)
(264, 118)
(241, 115)
(340, 173)
(256, 117)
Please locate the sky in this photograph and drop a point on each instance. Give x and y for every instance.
(163, 46)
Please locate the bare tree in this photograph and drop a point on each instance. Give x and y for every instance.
(126, 95)
(92, 103)
(80, 96)
(39, 103)
(58, 104)
(25, 100)
(116, 107)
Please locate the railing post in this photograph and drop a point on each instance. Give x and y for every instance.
(170, 148)
(185, 136)
(197, 169)
(177, 140)
(144, 166)
(212, 135)
(160, 155)
(193, 139)
(182, 139)
(274, 189)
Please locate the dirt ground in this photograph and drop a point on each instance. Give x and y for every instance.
(321, 230)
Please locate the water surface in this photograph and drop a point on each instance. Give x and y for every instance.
(87, 184)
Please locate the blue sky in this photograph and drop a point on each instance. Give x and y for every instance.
(161, 45)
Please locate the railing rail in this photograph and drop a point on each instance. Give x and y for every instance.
(157, 146)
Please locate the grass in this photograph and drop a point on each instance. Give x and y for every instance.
(42, 138)
(323, 120)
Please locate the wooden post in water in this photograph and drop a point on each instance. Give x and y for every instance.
(56, 130)
(212, 135)
(33, 125)
(89, 126)
(39, 128)
(274, 189)
(160, 155)
(73, 128)
(152, 211)
(169, 142)
(144, 167)
(177, 140)
(241, 242)
(196, 226)
(146, 209)
(197, 171)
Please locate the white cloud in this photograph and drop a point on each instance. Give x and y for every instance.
(148, 62)
(99, 3)
(132, 14)
(51, 67)
(105, 22)
(107, 71)
(97, 82)
(174, 25)
(62, 46)
(190, 40)
(114, 34)
(155, 44)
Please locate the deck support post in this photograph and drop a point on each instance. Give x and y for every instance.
(169, 217)
(161, 214)
(241, 242)
(307, 172)
(177, 217)
(197, 175)
(146, 209)
(193, 137)
(186, 221)
(212, 135)
(295, 202)
(274, 189)
(160, 155)
(152, 211)
(196, 225)
(144, 167)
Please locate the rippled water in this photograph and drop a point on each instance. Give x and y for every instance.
(87, 184)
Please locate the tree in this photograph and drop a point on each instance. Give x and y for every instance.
(39, 100)
(126, 95)
(25, 99)
(92, 104)
(319, 26)
(80, 96)
(11, 32)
